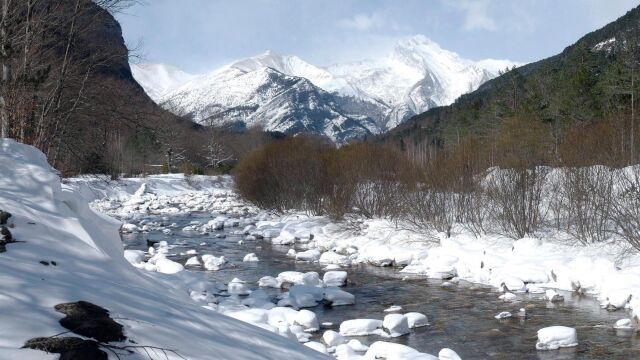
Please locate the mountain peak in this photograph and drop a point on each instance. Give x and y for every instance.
(377, 94)
(418, 39)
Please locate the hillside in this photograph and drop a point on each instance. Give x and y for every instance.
(71, 92)
(589, 82)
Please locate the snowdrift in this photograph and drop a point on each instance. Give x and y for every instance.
(54, 224)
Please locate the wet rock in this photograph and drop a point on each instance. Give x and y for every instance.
(87, 319)
(68, 347)
(5, 238)
(4, 217)
(5, 235)
(151, 243)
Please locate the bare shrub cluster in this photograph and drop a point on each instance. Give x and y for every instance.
(526, 191)
(306, 173)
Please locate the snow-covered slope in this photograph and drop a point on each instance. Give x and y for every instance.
(67, 252)
(417, 76)
(246, 95)
(369, 96)
(157, 79)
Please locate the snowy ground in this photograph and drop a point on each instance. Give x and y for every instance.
(535, 265)
(607, 271)
(158, 301)
(53, 224)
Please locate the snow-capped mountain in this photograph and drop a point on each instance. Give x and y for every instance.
(248, 96)
(157, 79)
(342, 101)
(417, 76)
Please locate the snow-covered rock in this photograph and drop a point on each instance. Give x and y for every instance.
(554, 337)
(308, 255)
(134, 257)
(192, 261)
(396, 324)
(360, 327)
(330, 257)
(308, 320)
(129, 228)
(268, 281)
(448, 354)
(624, 324)
(302, 296)
(337, 297)
(332, 338)
(238, 287)
(503, 315)
(415, 319)
(387, 350)
(335, 278)
(616, 300)
(553, 296)
(309, 278)
(508, 296)
(212, 263)
(251, 257)
(166, 266)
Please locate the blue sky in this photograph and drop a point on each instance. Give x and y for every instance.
(200, 35)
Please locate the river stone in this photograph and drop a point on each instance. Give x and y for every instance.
(5, 235)
(69, 348)
(4, 217)
(87, 319)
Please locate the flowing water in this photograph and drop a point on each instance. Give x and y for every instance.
(461, 317)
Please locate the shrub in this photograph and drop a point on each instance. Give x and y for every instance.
(516, 195)
(286, 174)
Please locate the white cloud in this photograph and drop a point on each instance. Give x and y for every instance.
(476, 14)
(362, 22)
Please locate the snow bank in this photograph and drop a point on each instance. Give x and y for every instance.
(530, 264)
(56, 224)
(361, 327)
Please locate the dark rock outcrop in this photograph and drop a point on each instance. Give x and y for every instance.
(68, 347)
(4, 217)
(87, 319)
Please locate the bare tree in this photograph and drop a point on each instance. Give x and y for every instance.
(517, 196)
(625, 207)
(587, 194)
(6, 67)
(215, 152)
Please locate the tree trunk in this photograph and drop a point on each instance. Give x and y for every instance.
(6, 69)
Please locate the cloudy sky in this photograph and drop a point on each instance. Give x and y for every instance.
(200, 35)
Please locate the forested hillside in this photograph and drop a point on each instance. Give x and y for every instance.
(67, 88)
(577, 107)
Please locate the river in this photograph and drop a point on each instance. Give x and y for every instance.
(461, 316)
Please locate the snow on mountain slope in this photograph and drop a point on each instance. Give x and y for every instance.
(157, 79)
(249, 95)
(379, 94)
(417, 76)
(67, 252)
(294, 66)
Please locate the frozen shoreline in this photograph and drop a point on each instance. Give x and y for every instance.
(599, 270)
(526, 265)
